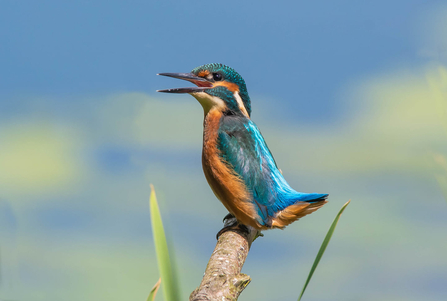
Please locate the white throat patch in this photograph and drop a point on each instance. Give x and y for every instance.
(208, 101)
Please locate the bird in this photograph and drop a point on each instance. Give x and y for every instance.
(236, 160)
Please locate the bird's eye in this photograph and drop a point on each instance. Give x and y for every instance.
(217, 76)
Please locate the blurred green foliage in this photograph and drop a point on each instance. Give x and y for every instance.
(168, 279)
(437, 80)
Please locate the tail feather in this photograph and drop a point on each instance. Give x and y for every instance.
(312, 197)
(296, 211)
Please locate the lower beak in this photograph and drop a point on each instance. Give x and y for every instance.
(202, 84)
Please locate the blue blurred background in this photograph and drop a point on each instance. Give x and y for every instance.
(351, 97)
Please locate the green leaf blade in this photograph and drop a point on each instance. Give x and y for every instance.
(169, 287)
(323, 247)
(154, 291)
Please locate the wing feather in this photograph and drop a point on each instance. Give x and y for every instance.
(242, 146)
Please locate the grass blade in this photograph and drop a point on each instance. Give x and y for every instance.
(323, 247)
(169, 287)
(154, 291)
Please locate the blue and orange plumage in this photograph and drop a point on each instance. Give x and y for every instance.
(236, 161)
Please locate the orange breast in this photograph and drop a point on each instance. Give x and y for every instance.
(225, 183)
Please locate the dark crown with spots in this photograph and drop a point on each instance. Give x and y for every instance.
(230, 75)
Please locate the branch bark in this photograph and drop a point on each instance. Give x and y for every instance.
(223, 279)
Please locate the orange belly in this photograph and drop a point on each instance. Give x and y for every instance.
(225, 183)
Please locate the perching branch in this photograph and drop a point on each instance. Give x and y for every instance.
(223, 279)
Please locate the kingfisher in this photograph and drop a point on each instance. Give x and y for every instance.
(236, 160)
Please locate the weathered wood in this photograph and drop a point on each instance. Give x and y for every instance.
(223, 279)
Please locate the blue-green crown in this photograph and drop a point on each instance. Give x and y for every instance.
(230, 75)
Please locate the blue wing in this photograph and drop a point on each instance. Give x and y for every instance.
(242, 146)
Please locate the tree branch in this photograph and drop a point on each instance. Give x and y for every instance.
(223, 279)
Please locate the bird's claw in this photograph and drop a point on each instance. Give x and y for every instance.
(227, 217)
(231, 223)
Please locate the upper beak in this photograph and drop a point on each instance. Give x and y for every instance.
(202, 83)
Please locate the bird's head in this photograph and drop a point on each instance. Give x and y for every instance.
(218, 87)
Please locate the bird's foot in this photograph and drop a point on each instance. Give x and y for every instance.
(231, 223)
(227, 217)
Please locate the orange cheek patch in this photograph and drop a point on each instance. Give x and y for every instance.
(203, 73)
(230, 86)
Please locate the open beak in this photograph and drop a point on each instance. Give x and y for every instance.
(202, 83)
